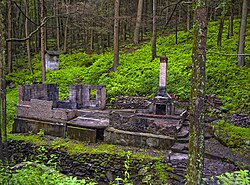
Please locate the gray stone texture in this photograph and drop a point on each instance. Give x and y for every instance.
(87, 122)
(24, 125)
(47, 92)
(147, 140)
(80, 94)
(147, 123)
(42, 110)
(81, 134)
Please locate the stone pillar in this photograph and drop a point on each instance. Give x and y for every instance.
(163, 76)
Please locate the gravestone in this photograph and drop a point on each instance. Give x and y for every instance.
(51, 60)
(163, 103)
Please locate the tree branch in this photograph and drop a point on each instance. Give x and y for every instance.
(44, 21)
(23, 13)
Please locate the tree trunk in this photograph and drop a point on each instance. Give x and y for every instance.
(219, 38)
(188, 18)
(154, 31)
(243, 24)
(116, 35)
(197, 97)
(9, 35)
(138, 22)
(167, 11)
(43, 43)
(57, 26)
(2, 84)
(231, 22)
(26, 35)
(66, 30)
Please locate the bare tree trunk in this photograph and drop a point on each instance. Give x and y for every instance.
(167, 10)
(176, 28)
(56, 9)
(43, 43)
(2, 85)
(26, 34)
(66, 31)
(9, 35)
(116, 35)
(219, 38)
(197, 97)
(154, 31)
(138, 21)
(241, 61)
(188, 25)
(231, 22)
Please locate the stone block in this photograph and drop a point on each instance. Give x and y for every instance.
(41, 109)
(24, 125)
(147, 140)
(23, 111)
(64, 114)
(81, 134)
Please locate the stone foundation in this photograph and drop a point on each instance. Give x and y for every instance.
(144, 140)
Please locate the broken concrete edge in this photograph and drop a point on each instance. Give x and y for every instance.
(87, 122)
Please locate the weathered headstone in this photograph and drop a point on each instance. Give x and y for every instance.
(52, 61)
(163, 76)
(163, 103)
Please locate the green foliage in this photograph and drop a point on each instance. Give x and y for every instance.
(231, 135)
(138, 75)
(126, 180)
(37, 175)
(237, 178)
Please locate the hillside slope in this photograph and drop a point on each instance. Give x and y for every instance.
(138, 75)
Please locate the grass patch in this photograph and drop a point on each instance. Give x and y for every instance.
(231, 135)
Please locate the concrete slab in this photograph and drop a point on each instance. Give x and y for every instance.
(88, 122)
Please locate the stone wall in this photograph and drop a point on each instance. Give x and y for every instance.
(82, 96)
(47, 92)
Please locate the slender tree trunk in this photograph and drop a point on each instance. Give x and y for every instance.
(116, 35)
(231, 22)
(167, 11)
(57, 26)
(243, 24)
(188, 18)
(124, 32)
(219, 38)
(138, 22)
(2, 84)
(26, 34)
(66, 31)
(176, 28)
(43, 43)
(197, 97)
(154, 31)
(9, 35)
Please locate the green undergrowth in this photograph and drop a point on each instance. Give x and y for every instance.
(138, 75)
(30, 175)
(231, 135)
